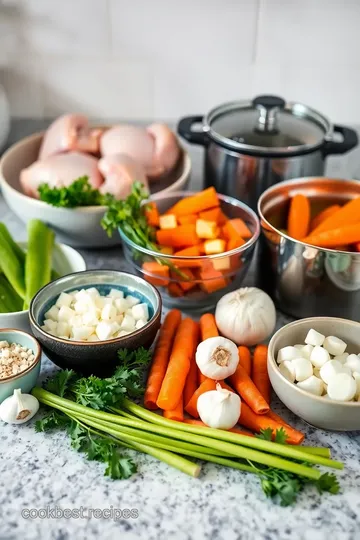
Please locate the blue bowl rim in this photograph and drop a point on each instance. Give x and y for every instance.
(225, 198)
(95, 343)
(37, 354)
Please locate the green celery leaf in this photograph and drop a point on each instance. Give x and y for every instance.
(328, 482)
(59, 384)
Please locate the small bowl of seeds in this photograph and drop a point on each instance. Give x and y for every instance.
(20, 359)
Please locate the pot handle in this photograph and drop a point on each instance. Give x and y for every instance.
(350, 140)
(184, 129)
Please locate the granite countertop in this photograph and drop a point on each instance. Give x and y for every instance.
(40, 471)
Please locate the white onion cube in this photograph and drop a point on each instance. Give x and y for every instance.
(319, 356)
(108, 312)
(329, 370)
(66, 313)
(123, 333)
(82, 333)
(80, 306)
(141, 311)
(314, 338)
(63, 329)
(92, 338)
(121, 304)
(93, 292)
(104, 330)
(334, 345)
(50, 325)
(287, 369)
(353, 362)
(287, 353)
(115, 293)
(128, 323)
(342, 387)
(53, 313)
(139, 324)
(64, 299)
(303, 368)
(313, 385)
(132, 301)
(90, 318)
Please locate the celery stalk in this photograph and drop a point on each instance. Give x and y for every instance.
(11, 266)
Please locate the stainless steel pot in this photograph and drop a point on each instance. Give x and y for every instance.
(251, 146)
(305, 281)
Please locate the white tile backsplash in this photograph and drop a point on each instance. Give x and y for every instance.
(166, 59)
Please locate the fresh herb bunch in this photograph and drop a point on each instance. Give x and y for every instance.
(99, 394)
(285, 486)
(79, 193)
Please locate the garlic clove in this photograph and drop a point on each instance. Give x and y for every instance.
(18, 408)
(217, 358)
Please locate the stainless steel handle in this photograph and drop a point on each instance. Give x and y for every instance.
(268, 107)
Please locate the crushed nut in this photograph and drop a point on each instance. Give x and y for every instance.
(14, 359)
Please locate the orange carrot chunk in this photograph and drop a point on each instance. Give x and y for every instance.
(349, 214)
(199, 423)
(245, 359)
(153, 269)
(182, 236)
(241, 228)
(247, 390)
(319, 218)
(186, 220)
(161, 357)
(260, 374)
(196, 203)
(212, 280)
(189, 252)
(257, 422)
(152, 214)
(348, 234)
(175, 290)
(183, 284)
(177, 413)
(214, 214)
(299, 217)
(185, 343)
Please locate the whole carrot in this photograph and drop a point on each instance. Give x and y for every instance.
(195, 422)
(347, 234)
(247, 390)
(299, 217)
(177, 413)
(206, 386)
(245, 359)
(192, 380)
(348, 214)
(172, 387)
(257, 422)
(271, 414)
(329, 211)
(260, 374)
(161, 358)
(208, 329)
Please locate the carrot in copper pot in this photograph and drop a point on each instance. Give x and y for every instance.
(349, 214)
(299, 217)
(348, 234)
(319, 218)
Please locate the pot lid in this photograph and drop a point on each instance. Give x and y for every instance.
(267, 125)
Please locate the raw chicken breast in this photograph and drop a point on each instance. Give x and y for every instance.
(70, 132)
(59, 171)
(120, 172)
(155, 148)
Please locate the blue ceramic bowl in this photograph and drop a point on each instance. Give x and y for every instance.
(27, 379)
(99, 357)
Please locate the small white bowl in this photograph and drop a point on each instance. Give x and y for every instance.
(78, 227)
(66, 260)
(317, 411)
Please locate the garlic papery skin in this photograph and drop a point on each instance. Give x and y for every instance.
(246, 316)
(220, 408)
(18, 408)
(217, 358)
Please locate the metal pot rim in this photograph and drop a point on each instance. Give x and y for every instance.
(298, 109)
(293, 182)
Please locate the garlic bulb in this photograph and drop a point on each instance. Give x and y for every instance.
(18, 408)
(217, 358)
(246, 316)
(219, 408)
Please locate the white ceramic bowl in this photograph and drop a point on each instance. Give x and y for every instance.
(79, 227)
(317, 411)
(66, 260)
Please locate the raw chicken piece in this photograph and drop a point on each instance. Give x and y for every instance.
(156, 147)
(59, 171)
(70, 132)
(120, 172)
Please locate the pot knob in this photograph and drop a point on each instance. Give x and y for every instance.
(268, 107)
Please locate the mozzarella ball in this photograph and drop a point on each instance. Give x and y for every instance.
(353, 362)
(334, 345)
(306, 351)
(341, 358)
(287, 353)
(319, 356)
(287, 369)
(314, 338)
(330, 370)
(313, 385)
(342, 387)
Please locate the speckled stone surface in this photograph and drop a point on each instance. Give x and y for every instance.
(40, 471)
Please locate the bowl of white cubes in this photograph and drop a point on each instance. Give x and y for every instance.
(314, 368)
(83, 319)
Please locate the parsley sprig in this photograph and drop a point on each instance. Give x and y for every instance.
(79, 193)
